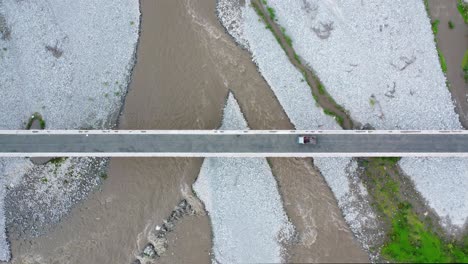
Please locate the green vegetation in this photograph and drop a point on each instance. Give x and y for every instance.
(392, 161)
(272, 13)
(44, 180)
(435, 26)
(103, 175)
(38, 117)
(339, 119)
(296, 57)
(451, 25)
(268, 26)
(465, 66)
(321, 88)
(409, 238)
(426, 5)
(435, 30)
(57, 160)
(443, 62)
(288, 39)
(463, 9)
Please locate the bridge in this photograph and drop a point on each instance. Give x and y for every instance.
(232, 143)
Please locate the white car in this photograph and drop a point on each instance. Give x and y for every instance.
(307, 140)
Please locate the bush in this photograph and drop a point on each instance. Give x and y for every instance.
(451, 25)
(435, 26)
(463, 9)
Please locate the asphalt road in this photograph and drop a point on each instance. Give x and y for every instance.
(267, 144)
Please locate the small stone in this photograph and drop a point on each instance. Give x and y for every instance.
(150, 252)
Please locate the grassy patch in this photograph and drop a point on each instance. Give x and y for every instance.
(321, 88)
(463, 9)
(288, 40)
(372, 101)
(435, 26)
(426, 5)
(36, 116)
(392, 161)
(465, 66)
(57, 160)
(465, 59)
(435, 30)
(409, 238)
(271, 12)
(268, 26)
(315, 98)
(296, 57)
(443, 62)
(337, 117)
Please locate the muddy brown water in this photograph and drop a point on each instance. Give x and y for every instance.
(453, 43)
(186, 65)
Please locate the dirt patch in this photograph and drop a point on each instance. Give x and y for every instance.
(5, 30)
(56, 52)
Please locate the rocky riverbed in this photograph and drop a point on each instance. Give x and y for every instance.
(70, 61)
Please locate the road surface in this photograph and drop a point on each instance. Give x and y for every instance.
(252, 143)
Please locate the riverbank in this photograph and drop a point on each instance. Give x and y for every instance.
(452, 43)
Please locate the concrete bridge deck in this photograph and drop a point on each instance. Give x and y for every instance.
(216, 143)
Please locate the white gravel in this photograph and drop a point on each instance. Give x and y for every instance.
(451, 186)
(369, 45)
(70, 61)
(242, 199)
(288, 84)
(5, 254)
(47, 192)
(380, 62)
(229, 13)
(86, 83)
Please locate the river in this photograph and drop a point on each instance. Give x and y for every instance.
(186, 64)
